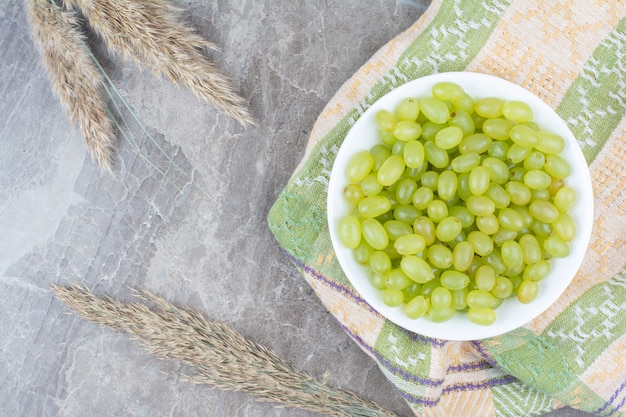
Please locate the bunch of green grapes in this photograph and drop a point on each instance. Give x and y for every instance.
(461, 205)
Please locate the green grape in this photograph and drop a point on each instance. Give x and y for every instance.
(411, 291)
(405, 188)
(463, 190)
(422, 197)
(396, 228)
(489, 107)
(437, 210)
(387, 138)
(465, 162)
(517, 111)
(534, 160)
(503, 287)
(378, 281)
(503, 235)
(438, 157)
(393, 298)
(498, 150)
(479, 179)
(409, 244)
(440, 316)
(481, 316)
(370, 185)
(430, 129)
(463, 214)
(517, 173)
(564, 227)
(480, 299)
(406, 213)
(448, 229)
(550, 143)
(353, 194)
(556, 247)
(406, 130)
(462, 256)
(518, 192)
(374, 206)
(463, 120)
(449, 137)
(494, 260)
(510, 219)
(517, 153)
(499, 172)
(440, 298)
(557, 167)
(447, 184)
(477, 143)
(385, 120)
(408, 109)
(465, 103)
(414, 154)
(497, 128)
(537, 271)
(454, 280)
(374, 234)
(527, 291)
(362, 253)
(417, 307)
(425, 227)
(565, 198)
(479, 205)
(555, 186)
(398, 148)
(447, 91)
(485, 278)
(417, 269)
(380, 263)
(359, 166)
(524, 136)
(416, 173)
(439, 256)
(487, 224)
(459, 299)
(435, 110)
(531, 251)
(511, 253)
(380, 152)
(349, 231)
(481, 242)
(428, 287)
(391, 170)
(537, 180)
(544, 211)
(541, 228)
(498, 195)
(397, 280)
(430, 179)
(478, 120)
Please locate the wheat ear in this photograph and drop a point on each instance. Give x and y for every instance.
(75, 79)
(151, 33)
(219, 356)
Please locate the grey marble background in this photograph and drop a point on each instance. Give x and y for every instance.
(193, 229)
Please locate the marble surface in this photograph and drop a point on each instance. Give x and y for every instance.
(191, 227)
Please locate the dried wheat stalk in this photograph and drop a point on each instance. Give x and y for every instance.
(75, 79)
(150, 32)
(219, 356)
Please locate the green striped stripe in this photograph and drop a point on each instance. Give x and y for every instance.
(518, 399)
(596, 101)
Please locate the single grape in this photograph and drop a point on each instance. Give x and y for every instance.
(407, 130)
(409, 244)
(447, 91)
(550, 143)
(481, 316)
(480, 299)
(439, 256)
(527, 291)
(438, 157)
(434, 110)
(448, 229)
(396, 228)
(353, 194)
(465, 162)
(413, 154)
(349, 231)
(462, 256)
(462, 120)
(397, 280)
(503, 287)
(488, 107)
(437, 210)
(391, 170)
(408, 109)
(479, 179)
(405, 188)
(374, 234)
(416, 268)
(425, 227)
(454, 280)
(374, 206)
(497, 128)
(485, 278)
(517, 111)
(536, 271)
(449, 137)
(393, 298)
(359, 166)
(447, 184)
(385, 120)
(380, 262)
(417, 307)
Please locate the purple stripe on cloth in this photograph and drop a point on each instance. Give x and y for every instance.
(475, 366)
(472, 386)
(479, 347)
(600, 411)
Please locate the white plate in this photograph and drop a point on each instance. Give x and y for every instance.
(511, 314)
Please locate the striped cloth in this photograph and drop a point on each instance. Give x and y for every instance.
(572, 54)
